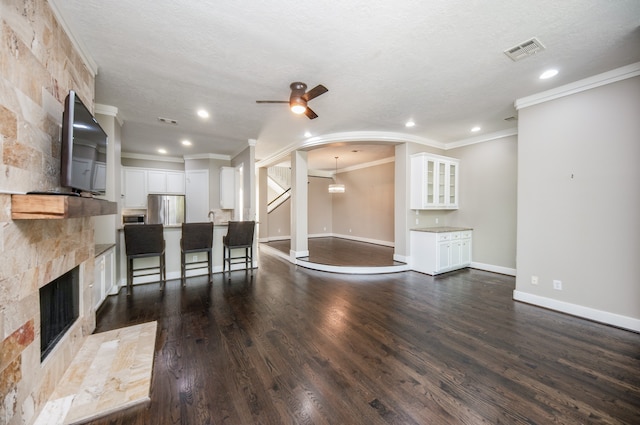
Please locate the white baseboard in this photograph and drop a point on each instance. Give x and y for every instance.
(401, 258)
(298, 254)
(495, 269)
(367, 240)
(605, 317)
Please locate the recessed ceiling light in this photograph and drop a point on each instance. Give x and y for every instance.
(548, 74)
(202, 113)
(410, 124)
(186, 143)
(162, 151)
(476, 129)
(307, 134)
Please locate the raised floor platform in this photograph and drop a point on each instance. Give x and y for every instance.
(112, 371)
(339, 255)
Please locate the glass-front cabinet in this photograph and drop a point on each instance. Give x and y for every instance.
(434, 182)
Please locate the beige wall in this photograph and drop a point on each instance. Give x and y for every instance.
(579, 203)
(320, 206)
(366, 209)
(39, 67)
(487, 201)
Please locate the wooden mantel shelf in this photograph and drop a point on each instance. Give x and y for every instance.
(32, 207)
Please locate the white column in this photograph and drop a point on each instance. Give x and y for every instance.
(263, 217)
(299, 194)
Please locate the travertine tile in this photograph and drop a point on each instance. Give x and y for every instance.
(111, 371)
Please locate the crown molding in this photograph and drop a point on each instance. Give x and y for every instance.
(348, 137)
(366, 165)
(132, 155)
(618, 74)
(483, 138)
(79, 46)
(108, 110)
(208, 156)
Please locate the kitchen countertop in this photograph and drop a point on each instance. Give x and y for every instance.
(441, 229)
(103, 247)
(179, 226)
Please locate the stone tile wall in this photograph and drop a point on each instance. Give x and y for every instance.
(38, 67)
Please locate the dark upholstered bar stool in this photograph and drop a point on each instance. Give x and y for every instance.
(142, 241)
(239, 236)
(196, 237)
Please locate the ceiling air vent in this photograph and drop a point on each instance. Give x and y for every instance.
(168, 121)
(524, 49)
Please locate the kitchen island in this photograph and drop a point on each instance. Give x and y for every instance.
(172, 235)
(436, 250)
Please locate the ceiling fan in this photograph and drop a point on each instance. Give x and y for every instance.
(299, 98)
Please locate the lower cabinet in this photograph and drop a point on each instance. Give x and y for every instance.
(437, 251)
(104, 276)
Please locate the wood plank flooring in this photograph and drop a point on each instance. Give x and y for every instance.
(342, 252)
(298, 346)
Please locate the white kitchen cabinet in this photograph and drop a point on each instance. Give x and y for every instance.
(134, 187)
(137, 183)
(165, 182)
(441, 249)
(227, 188)
(434, 182)
(197, 195)
(104, 276)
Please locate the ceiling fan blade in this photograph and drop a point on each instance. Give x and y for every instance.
(315, 92)
(310, 114)
(272, 101)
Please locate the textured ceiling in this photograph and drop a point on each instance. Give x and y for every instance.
(438, 62)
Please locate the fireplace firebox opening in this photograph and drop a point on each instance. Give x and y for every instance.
(59, 309)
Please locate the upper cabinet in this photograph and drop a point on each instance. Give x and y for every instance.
(434, 182)
(137, 183)
(227, 188)
(171, 182)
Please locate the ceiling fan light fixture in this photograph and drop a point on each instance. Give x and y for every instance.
(298, 105)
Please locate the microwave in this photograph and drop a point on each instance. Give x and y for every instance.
(133, 219)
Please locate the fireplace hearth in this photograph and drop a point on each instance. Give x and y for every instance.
(59, 308)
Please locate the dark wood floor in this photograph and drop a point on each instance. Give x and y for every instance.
(298, 346)
(342, 252)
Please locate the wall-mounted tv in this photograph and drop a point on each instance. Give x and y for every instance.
(83, 150)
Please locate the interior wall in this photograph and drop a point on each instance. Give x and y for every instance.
(39, 67)
(279, 222)
(366, 209)
(579, 203)
(247, 159)
(488, 200)
(320, 207)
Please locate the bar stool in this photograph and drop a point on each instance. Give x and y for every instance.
(239, 235)
(196, 237)
(142, 241)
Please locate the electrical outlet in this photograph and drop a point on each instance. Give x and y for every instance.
(417, 221)
(534, 280)
(349, 230)
(324, 228)
(557, 285)
(437, 220)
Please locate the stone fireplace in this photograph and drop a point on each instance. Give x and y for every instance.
(40, 65)
(59, 307)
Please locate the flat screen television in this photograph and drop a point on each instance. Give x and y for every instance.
(83, 151)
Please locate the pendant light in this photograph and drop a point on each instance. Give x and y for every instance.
(335, 187)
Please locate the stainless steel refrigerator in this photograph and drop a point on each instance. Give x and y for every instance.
(165, 209)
